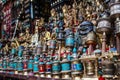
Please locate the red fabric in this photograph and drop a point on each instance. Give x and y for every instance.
(101, 78)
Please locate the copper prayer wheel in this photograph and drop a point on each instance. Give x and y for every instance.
(91, 38)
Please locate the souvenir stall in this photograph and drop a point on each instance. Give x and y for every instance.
(81, 42)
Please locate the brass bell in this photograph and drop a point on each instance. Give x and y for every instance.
(91, 38)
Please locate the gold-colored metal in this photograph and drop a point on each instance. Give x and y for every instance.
(91, 38)
(90, 65)
(42, 75)
(48, 75)
(66, 76)
(56, 76)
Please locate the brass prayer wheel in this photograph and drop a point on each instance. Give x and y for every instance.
(90, 68)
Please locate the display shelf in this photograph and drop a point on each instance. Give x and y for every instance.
(8, 76)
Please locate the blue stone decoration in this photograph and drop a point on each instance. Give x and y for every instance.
(56, 68)
(4, 64)
(11, 64)
(20, 52)
(19, 66)
(0, 64)
(30, 63)
(49, 68)
(77, 67)
(13, 51)
(85, 27)
(15, 65)
(69, 57)
(60, 24)
(21, 48)
(65, 66)
(84, 50)
(69, 41)
(35, 67)
(1, 45)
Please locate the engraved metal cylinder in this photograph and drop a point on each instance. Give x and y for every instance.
(48, 67)
(56, 67)
(69, 42)
(41, 67)
(65, 66)
(52, 44)
(45, 48)
(115, 9)
(117, 26)
(90, 68)
(104, 25)
(118, 68)
(108, 69)
(76, 66)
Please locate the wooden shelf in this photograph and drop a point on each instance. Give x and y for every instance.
(8, 76)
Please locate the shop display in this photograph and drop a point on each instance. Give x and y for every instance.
(77, 43)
